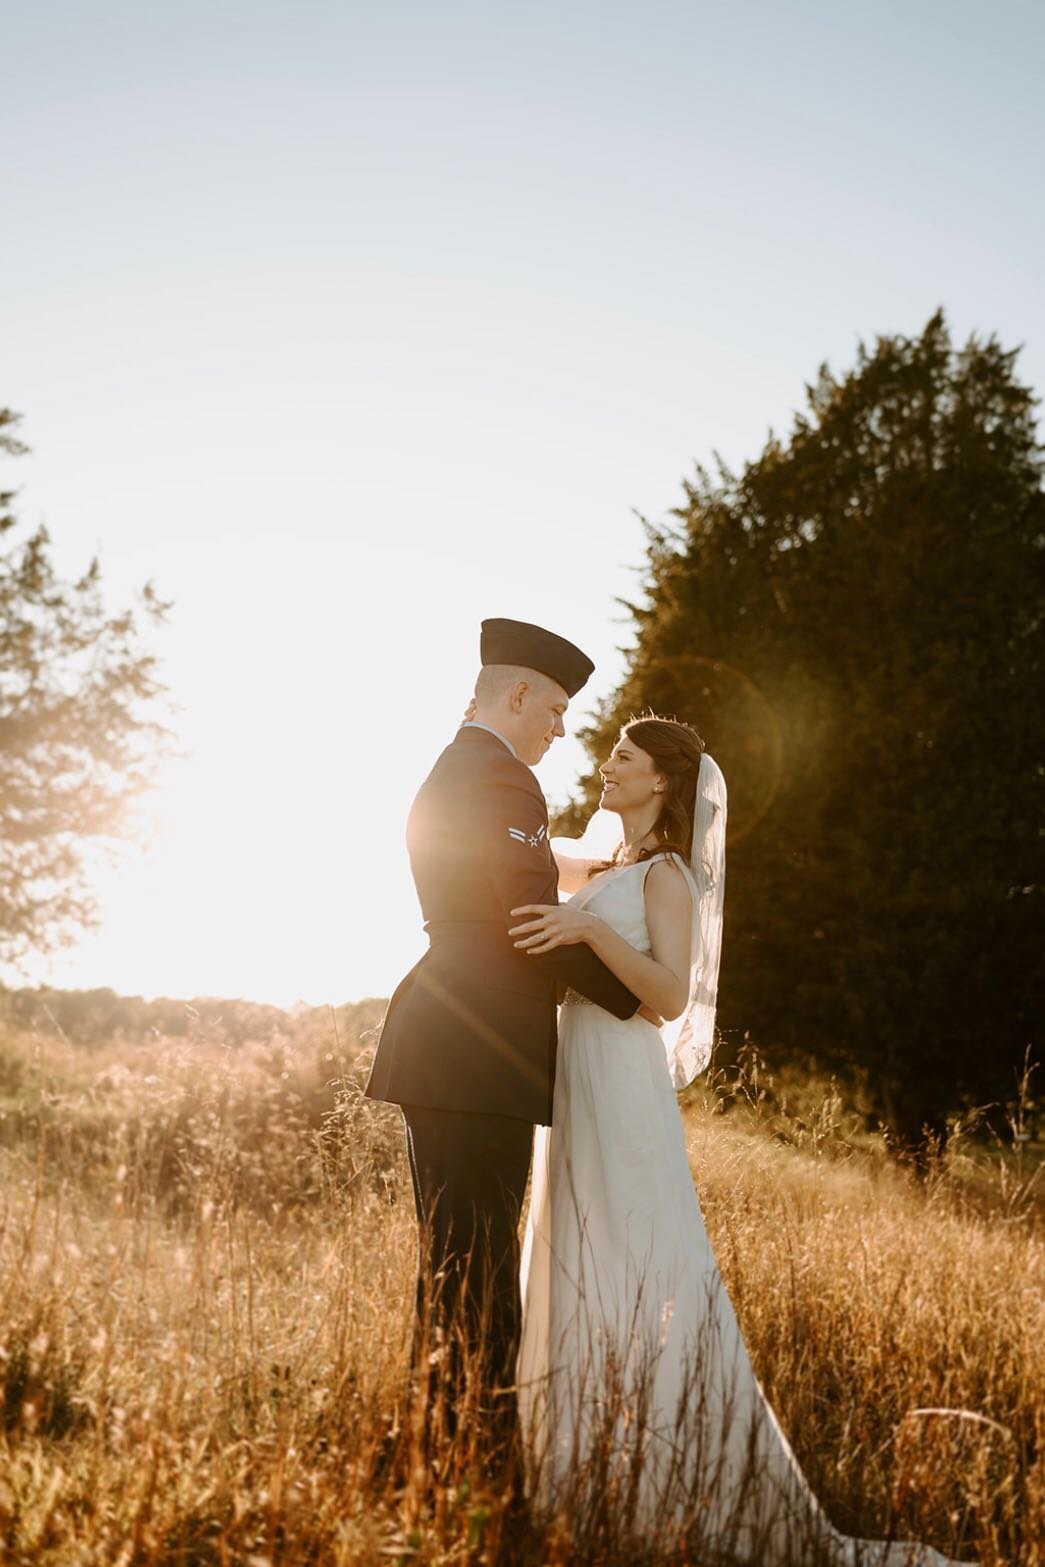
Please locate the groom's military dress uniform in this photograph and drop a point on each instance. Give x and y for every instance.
(469, 1040)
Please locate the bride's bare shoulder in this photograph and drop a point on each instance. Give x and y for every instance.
(666, 881)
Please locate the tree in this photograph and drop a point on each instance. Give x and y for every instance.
(854, 624)
(80, 734)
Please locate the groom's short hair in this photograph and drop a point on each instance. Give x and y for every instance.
(494, 680)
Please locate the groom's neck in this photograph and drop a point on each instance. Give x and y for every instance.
(501, 723)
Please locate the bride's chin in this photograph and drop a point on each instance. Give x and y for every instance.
(606, 801)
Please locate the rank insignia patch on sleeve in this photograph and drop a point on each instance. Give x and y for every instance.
(534, 839)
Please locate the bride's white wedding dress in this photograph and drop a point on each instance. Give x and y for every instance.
(634, 1381)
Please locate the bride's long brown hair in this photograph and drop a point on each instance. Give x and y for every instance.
(675, 750)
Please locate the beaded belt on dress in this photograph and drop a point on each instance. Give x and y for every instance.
(573, 998)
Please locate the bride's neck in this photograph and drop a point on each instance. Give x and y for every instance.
(637, 829)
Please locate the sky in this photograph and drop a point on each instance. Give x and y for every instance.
(351, 324)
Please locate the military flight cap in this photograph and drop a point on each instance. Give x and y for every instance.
(517, 642)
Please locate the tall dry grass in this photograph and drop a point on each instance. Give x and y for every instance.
(207, 1285)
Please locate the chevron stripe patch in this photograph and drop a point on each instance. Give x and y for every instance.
(534, 839)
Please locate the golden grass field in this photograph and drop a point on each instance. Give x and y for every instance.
(207, 1282)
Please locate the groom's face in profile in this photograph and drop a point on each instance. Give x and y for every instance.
(540, 704)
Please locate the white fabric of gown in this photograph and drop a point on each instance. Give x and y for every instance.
(634, 1382)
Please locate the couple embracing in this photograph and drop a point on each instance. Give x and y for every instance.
(607, 1342)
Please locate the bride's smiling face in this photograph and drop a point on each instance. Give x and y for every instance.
(629, 778)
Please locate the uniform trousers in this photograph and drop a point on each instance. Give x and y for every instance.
(469, 1175)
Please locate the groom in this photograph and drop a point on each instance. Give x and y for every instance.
(469, 1039)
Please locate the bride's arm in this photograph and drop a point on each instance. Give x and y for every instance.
(660, 979)
(573, 871)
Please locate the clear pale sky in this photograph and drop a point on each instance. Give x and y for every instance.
(350, 324)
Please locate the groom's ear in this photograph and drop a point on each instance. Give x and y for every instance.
(517, 695)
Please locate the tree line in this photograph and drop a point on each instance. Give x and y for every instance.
(853, 623)
(81, 731)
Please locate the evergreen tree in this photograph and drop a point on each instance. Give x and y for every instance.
(79, 735)
(854, 624)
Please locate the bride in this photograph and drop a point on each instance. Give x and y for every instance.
(634, 1381)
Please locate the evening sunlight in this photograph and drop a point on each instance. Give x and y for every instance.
(520, 785)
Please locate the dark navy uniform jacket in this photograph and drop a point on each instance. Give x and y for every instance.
(473, 1025)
